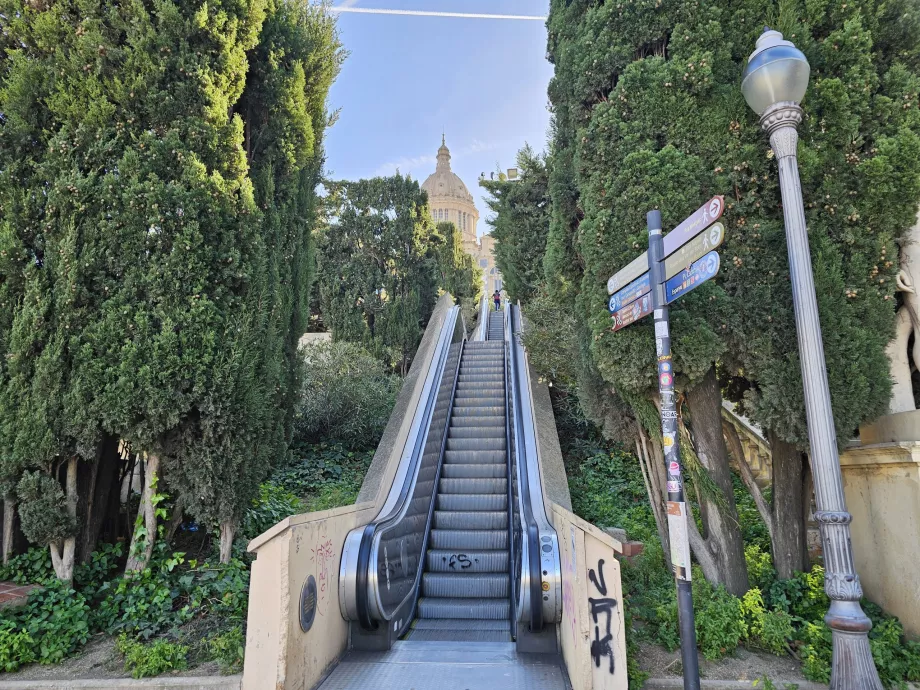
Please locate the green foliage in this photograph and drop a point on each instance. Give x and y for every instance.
(648, 114)
(273, 504)
(770, 630)
(16, 647)
(377, 265)
(31, 567)
(56, 620)
(323, 475)
(457, 273)
(346, 395)
(760, 567)
(152, 659)
(43, 509)
(607, 490)
(228, 650)
(520, 224)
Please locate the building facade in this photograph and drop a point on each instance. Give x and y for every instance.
(451, 201)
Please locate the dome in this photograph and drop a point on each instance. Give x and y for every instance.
(443, 182)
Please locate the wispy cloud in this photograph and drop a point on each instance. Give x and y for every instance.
(345, 4)
(406, 166)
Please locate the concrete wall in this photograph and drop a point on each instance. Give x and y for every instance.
(882, 486)
(593, 627)
(279, 654)
(552, 468)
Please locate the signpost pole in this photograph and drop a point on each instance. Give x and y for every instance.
(677, 506)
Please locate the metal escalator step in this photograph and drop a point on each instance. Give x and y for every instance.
(495, 443)
(469, 457)
(478, 420)
(469, 539)
(480, 519)
(496, 609)
(484, 378)
(474, 470)
(460, 624)
(465, 586)
(472, 502)
(478, 411)
(481, 432)
(441, 561)
(473, 486)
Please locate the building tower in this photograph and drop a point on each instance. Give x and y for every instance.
(451, 201)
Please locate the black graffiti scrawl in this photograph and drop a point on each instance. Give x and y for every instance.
(600, 646)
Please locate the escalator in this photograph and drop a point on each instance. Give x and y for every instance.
(462, 552)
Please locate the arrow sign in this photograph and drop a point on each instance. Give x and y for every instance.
(703, 217)
(632, 313)
(707, 240)
(698, 273)
(632, 271)
(640, 286)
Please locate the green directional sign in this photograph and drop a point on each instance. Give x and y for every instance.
(706, 241)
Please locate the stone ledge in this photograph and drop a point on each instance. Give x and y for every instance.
(667, 683)
(13, 595)
(176, 683)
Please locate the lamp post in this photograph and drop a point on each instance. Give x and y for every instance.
(774, 83)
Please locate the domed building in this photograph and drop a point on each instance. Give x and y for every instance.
(451, 201)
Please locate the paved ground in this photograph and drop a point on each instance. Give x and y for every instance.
(12, 594)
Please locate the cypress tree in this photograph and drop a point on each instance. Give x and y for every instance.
(520, 224)
(649, 114)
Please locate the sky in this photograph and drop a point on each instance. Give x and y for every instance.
(407, 78)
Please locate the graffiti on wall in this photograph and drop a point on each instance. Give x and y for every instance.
(323, 557)
(602, 612)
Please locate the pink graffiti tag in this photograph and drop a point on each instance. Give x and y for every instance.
(323, 555)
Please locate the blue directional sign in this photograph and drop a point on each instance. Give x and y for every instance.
(640, 286)
(698, 273)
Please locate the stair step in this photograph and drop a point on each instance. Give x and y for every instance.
(472, 502)
(448, 561)
(474, 470)
(481, 432)
(465, 585)
(495, 443)
(496, 609)
(469, 539)
(478, 411)
(469, 457)
(478, 420)
(480, 519)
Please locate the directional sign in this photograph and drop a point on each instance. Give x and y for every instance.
(632, 313)
(703, 217)
(707, 240)
(640, 286)
(635, 269)
(698, 273)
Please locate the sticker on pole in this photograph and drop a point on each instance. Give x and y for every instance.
(680, 543)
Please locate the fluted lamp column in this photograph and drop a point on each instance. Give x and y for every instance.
(774, 83)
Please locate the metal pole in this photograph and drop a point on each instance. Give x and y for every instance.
(853, 667)
(677, 506)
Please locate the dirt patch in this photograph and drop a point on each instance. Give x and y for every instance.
(98, 659)
(742, 664)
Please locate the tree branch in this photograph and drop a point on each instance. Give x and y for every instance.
(747, 476)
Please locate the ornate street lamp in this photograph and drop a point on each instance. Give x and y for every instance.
(774, 83)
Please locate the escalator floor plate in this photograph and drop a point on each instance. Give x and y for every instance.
(412, 665)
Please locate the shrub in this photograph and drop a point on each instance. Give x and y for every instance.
(760, 567)
(769, 630)
(347, 395)
(16, 647)
(145, 660)
(228, 650)
(30, 568)
(42, 509)
(720, 624)
(273, 504)
(56, 619)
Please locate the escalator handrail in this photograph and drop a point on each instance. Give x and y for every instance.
(397, 500)
(512, 612)
(528, 521)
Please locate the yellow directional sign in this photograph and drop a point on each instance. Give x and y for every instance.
(706, 241)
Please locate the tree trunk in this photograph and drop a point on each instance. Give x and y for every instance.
(808, 488)
(63, 552)
(655, 489)
(789, 527)
(95, 488)
(178, 512)
(139, 554)
(9, 518)
(722, 528)
(227, 532)
(747, 476)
